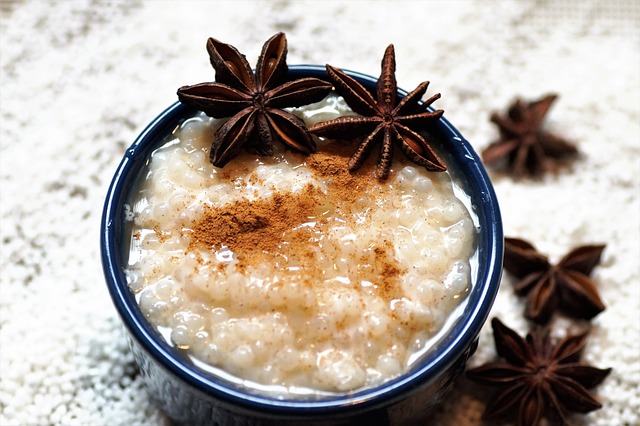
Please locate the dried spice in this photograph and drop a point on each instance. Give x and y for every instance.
(254, 102)
(272, 230)
(565, 286)
(384, 120)
(526, 147)
(538, 378)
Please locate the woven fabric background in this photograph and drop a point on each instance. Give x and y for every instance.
(80, 79)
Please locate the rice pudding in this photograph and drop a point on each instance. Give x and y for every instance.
(288, 274)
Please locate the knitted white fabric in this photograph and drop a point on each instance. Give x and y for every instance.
(80, 79)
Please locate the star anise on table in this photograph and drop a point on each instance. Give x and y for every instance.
(383, 120)
(538, 378)
(254, 102)
(526, 147)
(565, 286)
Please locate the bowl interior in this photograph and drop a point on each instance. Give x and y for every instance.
(468, 170)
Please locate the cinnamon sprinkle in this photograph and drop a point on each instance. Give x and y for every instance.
(269, 229)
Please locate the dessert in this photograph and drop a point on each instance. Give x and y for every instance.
(289, 274)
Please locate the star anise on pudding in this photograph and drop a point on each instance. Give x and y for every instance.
(526, 147)
(565, 286)
(254, 102)
(538, 378)
(384, 120)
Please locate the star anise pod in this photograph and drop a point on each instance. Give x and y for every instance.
(384, 120)
(538, 378)
(565, 286)
(527, 148)
(254, 102)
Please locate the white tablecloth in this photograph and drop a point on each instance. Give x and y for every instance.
(80, 79)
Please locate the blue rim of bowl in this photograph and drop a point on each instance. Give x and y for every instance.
(463, 332)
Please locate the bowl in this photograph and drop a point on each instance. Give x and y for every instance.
(191, 396)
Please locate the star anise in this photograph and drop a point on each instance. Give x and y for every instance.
(538, 378)
(254, 102)
(527, 148)
(565, 286)
(385, 120)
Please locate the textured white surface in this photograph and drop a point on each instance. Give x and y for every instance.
(80, 79)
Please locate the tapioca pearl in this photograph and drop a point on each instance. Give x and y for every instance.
(430, 238)
(211, 354)
(155, 308)
(452, 210)
(366, 240)
(408, 215)
(218, 190)
(150, 241)
(443, 181)
(158, 312)
(161, 210)
(152, 267)
(136, 280)
(287, 359)
(191, 321)
(342, 265)
(176, 302)
(188, 145)
(423, 184)
(163, 188)
(434, 258)
(198, 280)
(193, 180)
(397, 351)
(164, 288)
(410, 312)
(176, 169)
(180, 199)
(457, 242)
(222, 336)
(361, 204)
(191, 129)
(407, 252)
(282, 334)
(338, 370)
(341, 303)
(241, 358)
(218, 316)
(428, 292)
(299, 295)
(409, 172)
(320, 326)
(432, 200)
(262, 172)
(276, 175)
(199, 342)
(147, 299)
(176, 243)
(181, 337)
(458, 279)
(244, 329)
(262, 350)
(378, 325)
(276, 295)
(157, 170)
(265, 373)
(388, 366)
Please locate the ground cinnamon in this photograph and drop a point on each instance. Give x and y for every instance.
(263, 229)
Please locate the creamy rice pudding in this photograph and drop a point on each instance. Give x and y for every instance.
(290, 274)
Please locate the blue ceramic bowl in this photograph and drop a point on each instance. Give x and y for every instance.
(190, 396)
